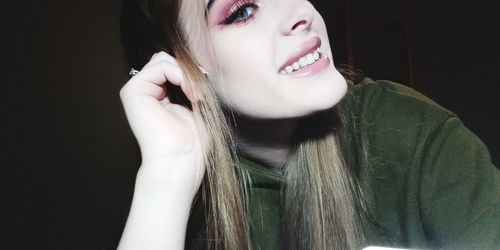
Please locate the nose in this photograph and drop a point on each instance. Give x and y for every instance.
(299, 17)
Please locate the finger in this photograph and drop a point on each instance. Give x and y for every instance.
(160, 73)
(162, 56)
(151, 81)
(159, 56)
(137, 88)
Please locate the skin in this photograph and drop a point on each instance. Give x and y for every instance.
(250, 52)
(267, 104)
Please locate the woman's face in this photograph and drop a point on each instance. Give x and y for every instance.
(256, 40)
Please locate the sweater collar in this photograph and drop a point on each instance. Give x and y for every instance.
(261, 176)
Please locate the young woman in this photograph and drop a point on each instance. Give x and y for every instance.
(251, 138)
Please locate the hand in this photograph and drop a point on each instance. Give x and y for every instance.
(164, 130)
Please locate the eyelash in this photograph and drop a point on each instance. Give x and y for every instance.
(239, 7)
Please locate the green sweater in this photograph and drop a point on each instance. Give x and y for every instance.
(430, 181)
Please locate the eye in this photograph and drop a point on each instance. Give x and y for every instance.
(242, 13)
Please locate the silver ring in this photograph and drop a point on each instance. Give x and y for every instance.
(133, 72)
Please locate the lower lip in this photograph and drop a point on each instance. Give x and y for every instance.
(312, 69)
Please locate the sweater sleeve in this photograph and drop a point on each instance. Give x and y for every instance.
(428, 181)
(459, 190)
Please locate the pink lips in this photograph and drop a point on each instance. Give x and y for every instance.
(312, 69)
(304, 49)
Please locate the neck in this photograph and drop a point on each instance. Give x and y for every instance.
(265, 141)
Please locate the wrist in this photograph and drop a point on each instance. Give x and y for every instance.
(173, 177)
(159, 214)
(183, 158)
(154, 193)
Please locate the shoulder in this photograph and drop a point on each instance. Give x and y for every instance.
(394, 111)
(425, 166)
(375, 96)
(395, 121)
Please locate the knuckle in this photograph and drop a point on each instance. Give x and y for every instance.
(123, 92)
(163, 66)
(155, 55)
(159, 54)
(164, 63)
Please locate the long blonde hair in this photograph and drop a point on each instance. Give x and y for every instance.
(321, 194)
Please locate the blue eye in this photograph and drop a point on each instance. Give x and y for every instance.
(241, 14)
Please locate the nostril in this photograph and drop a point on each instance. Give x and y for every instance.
(297, 24)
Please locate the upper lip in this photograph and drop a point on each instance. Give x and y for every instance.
(302, 50)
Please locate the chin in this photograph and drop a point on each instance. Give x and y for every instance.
(322, 105)
(321, 101)
(329, 94)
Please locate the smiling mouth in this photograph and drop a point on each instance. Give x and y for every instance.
(303, 62)
(304, 55)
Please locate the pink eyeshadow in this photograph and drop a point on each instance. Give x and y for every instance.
(220, 15)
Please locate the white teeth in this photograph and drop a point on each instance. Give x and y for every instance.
(316, 55)
(303, 61)
(310, 59)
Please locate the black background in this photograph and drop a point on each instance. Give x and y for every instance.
(70, 157)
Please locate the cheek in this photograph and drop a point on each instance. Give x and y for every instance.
(245, 64)
(244, 56)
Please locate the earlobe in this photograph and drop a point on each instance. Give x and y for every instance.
(204, 71)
